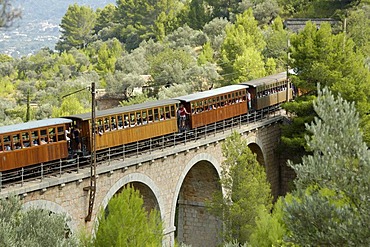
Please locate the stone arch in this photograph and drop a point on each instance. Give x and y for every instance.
(257, 148)
(194, 200)
(197, 158)
(131, 178)
(52, 207)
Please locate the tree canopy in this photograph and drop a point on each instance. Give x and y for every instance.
(77, 27)
(125, 222)
(32, 227)
(247, 190)
(330, 205)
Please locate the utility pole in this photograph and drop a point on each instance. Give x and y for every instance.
(287, 70)
(28, 112)
(92, 187)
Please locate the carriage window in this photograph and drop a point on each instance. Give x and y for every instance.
(126, 121)
(132, 120)
(25, 139)
(17, 142)
(1, 144)
(222, 103)
(167, 111)
(138, 118)
(144, 117)
(120, 121)
(161, 113)
(35, 138)
(61, 133)
(113, 123)
(106, 124)
(43, 136)
(99, 125)
(52, 137)
(173, 112)
(205, 105)
(156, 114)
(7, 143)
(150, 115)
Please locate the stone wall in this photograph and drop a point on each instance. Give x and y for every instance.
(175, 179)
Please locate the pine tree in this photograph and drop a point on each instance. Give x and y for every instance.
(330, 206)
(77, 27)
(246, 190)
(126, 222)
(241, 50)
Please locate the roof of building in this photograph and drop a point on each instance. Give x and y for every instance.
(33, 125)
(297, 24)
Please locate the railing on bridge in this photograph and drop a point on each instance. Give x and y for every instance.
(132, 150)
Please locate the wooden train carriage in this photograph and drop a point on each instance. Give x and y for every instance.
(215, 105)
(33, 142)
(269, 90)
(128, 124)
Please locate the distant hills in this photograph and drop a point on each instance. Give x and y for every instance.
(39, 26)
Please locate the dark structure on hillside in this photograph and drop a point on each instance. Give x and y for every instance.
(297, 24)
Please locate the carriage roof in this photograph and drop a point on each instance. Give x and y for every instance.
(266, 80)
(33, 125)
(125, 109)
(211, 93)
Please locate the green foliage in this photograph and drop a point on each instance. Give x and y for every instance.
(198, 14)
(77, 27)
(319, 56)
(246, 190)
(241, 50)
(358, 29)
(276, 38)
(32, 227)
(223, 8)
(263, 10)
(144, 20)
(169, 67)
(126, 223)
(293, 141)
(314, 8)
(185, 36)
(331, 202)
(206, 55)
(137, 99)
(270, 228)
(69, 106)
(121, 83)
(105, 18)
(215, 31)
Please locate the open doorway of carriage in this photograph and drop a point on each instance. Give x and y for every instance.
(195, 226)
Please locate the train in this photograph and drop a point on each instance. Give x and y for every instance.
(39, 142)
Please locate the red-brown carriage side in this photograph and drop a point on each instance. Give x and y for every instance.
(123, 125)
(215, 105)
(33, 142)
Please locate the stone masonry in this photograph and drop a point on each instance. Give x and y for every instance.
(176, 180)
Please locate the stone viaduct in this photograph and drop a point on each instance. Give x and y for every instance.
(175, 180)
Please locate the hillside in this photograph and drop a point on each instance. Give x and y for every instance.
(39, 26)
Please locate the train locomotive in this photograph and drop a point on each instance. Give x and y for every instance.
(38, 142)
